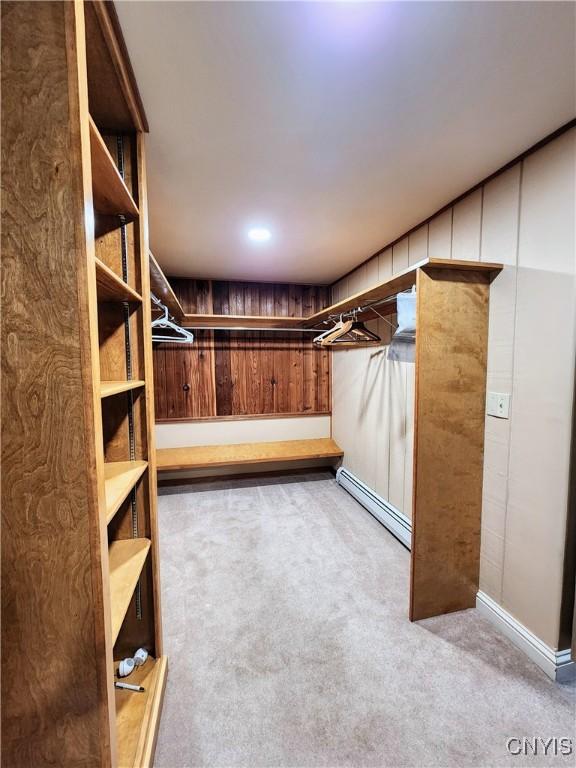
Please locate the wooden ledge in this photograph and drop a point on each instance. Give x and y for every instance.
(162, 289)
(111, 195)
(401, 281)
(205, 456)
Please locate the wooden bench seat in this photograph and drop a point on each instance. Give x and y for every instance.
(206, 456)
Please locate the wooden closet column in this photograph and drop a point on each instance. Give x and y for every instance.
(451, 352)
(80, 550)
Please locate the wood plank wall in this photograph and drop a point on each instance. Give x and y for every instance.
(248, 373)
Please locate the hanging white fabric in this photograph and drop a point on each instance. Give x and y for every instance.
(402, 345)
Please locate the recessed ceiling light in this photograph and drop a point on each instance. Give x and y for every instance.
(259, 234)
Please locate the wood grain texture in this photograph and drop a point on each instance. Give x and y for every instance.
(242, 322)
(202, 456)
(121, 477)
(56, 712)
(451, 350)
(249, 372)
(138, 717)
(162, 289)
(114, 98)
(111, 287)
(110, 194)
(151, 587)
(110, 388)
(127, 557)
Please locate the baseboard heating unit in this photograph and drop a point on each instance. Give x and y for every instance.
(390, 517)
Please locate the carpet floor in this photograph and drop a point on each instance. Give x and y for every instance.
(285, 622)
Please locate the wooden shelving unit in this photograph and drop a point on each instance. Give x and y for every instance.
(111, 287)
(131, 711)
(110, 388)
(120, 477)
(110, 194)
(126, 558)
(242, 322)
(93, 581)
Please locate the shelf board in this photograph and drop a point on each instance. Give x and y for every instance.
(204, 456)
(109, 388)
(138, 714)
(242, 322)
(111, 287)
(400, 282)
(126, 558)
(388, 288)
(162, 289)
(120, 477)
(111, 197)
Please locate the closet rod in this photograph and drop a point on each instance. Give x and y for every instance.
(365, 307)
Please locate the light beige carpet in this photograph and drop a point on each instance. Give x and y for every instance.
(285, 608)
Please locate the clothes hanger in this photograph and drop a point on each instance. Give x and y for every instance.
(325, 334)
(347, 333)
(341, 329)
(356, 335)
(164, 323)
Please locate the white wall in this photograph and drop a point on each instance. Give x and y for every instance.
(372, 397)
(524, 218)
(253, 430)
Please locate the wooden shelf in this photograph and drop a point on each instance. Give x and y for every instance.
(109, 388)
(120, 477)
(386, 289)
(162, 289)
(111, 287)
(243, 322)
(138, 714)
(203, 456)
(126, 558)
(401, 282)
(110, 194)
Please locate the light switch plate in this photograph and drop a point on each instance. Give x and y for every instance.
(498, 404)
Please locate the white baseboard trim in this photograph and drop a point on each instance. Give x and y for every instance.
(396, 522)
(558, 665)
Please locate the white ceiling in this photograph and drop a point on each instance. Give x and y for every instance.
(338, 124)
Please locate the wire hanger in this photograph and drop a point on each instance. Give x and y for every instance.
(165, 323)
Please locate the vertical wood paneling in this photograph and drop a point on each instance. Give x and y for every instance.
(400, 256)
(222, 369)
(372, 272)
(385, 265)
(249, 372)
(466, 227)
(418, 245)
(440, 236)
(499, 241)
(543, 391)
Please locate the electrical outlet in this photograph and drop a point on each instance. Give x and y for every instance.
(498, 404)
